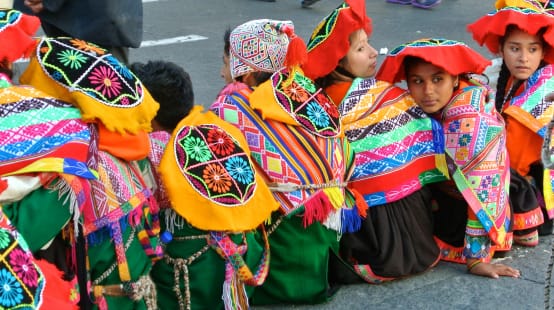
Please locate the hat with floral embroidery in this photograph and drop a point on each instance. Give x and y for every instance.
(16, 31)
(210, 178)
(264, 45)
(329, 42)
(92, 79)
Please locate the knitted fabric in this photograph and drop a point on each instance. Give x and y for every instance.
(452, 56)
(303, 161)
(16, 31)
(489, 29)
(533, 110)
(475, 141)
(258, 45)
(87, 76)
(398, 147)
(209, 177)
(329, 42)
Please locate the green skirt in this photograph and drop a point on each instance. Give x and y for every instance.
(299, 263)
(206, 269)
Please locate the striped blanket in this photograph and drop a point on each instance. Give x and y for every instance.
(398, 147)
(41, 134)
(535, 108)
(302, 158)
(475, 143)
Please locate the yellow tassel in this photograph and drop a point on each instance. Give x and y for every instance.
(547, 192)
(335, 195)
(440, 162)
(292, 72)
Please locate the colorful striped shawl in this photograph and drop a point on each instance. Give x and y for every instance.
(41, 134)
(398, 147)
(288, 154)
(475, 140)
(119, 198)
(534, 110)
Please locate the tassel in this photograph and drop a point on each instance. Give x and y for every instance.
(316, 209)
(548, 194)
(336, 196)
(297, 54)
(334, 220)
(351, 220)
(440, 163)
(234, 294)
(361, 204)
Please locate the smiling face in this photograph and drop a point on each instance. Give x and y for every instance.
(361, 59)
(522, 53)
(430, 86)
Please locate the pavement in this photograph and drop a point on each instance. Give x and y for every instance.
(450, 286)
(190, 33)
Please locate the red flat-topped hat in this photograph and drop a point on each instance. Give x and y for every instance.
(488, 29)
(329, 42)
(453, 56)
(16, 33)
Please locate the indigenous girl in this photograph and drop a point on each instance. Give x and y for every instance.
(396, 152)
(294, 135)
(475, 140)
(119, 214)
(44, 150)
(202, 220)
(523, 34)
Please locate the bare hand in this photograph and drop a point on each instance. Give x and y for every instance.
(35, 5)
(494, 270)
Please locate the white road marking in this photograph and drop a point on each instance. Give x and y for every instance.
(181, 39)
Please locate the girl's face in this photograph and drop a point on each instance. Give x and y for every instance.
(522, 53)
(430, 86)
(361, 59)
(225, 70)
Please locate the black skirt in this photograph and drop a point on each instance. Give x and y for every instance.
(396, 239)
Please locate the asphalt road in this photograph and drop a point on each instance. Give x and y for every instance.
(202, 23)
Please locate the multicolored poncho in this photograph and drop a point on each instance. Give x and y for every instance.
(294, 134)
(398, 147)
(475, 141)
(534, 109)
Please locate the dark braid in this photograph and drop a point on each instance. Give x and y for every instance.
(503, 77)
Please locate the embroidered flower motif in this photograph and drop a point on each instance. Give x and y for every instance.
(197, 149)
(10, 290)
(72, 59)
(87, 47)
(305, 83)
(107, 81)
(462, 154)
(454, 126)
(119, 67)
(317, 114)
(4, 238)
(125, 101)
(216, 178)
(296, 92)
(23, 267)
(464, 139)
(328, 105)
(44, 49)
(220, 143)
(239, 169)
(467, 125)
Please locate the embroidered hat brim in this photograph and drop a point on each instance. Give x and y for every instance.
(453, 56)
(209, 177)
(329, 42)
(489, 29)
(102, 87)
(16, 34)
